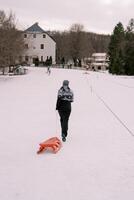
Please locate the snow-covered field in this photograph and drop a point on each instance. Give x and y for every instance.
(96, 162)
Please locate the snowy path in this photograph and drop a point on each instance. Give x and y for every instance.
(96, 162)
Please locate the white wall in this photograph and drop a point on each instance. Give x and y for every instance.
(34, 49)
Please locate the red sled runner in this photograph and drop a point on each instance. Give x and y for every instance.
(54, 143)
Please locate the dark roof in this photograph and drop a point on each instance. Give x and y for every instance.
(35, 28)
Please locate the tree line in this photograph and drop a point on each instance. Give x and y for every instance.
(73, 44)
(11, 41)
(121, 49)
(76, 43)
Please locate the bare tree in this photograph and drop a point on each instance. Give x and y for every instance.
(76, 38)
(76, 43)
(11, 41)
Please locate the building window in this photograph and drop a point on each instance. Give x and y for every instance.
(42, 46)
(25, 35)
(34, 35)
(26, 46)
(44, 36)
(26, 58)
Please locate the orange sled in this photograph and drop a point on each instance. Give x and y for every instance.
(54, 143)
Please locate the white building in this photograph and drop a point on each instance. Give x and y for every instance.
(38, 45)
(99, 61)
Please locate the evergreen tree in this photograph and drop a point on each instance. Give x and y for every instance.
(116, 50)
(129, 49)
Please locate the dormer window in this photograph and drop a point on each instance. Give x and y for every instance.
(25, 35)
(44, 35)
(34, 35)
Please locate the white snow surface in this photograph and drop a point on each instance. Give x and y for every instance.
(97, 160)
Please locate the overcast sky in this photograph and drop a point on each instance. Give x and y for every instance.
(98, 16)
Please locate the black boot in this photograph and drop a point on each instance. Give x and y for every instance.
(63, 138)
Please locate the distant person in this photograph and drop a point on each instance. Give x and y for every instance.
(48, 70)
(49, 63)
(63, 62)
(63, 105)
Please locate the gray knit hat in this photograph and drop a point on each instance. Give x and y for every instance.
(65, 82)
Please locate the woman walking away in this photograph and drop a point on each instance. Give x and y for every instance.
(63, 105)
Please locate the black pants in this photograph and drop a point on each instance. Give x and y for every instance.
(64, 117)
